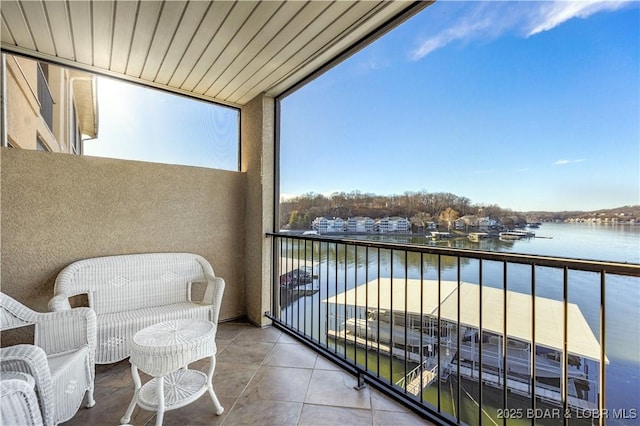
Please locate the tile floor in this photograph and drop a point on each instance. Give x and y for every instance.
(262, 377)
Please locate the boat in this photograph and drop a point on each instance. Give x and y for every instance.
(516, 234)
(380, 331)
(477, 236)
(296, 277)
(435, 235)
(301, 281)
(305, 289)
(548, 362)
(510, 235)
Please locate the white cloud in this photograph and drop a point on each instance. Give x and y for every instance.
(490, 20)
(552, 14)
(564, 162)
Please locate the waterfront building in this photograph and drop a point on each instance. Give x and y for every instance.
(393, 224)
(50, 108)
(360, 224)
(325, 225)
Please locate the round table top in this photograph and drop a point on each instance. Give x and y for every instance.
(173, 333)
(167, 346)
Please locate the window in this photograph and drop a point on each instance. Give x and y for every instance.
(44, 94)
(40, 145)
(111, 118)
(144, 124)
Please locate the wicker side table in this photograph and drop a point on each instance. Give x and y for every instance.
(164, 351)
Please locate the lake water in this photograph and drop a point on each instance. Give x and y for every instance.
(619, 243)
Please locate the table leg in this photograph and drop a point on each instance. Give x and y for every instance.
(160, 412)
(134, 400)
(212, 394)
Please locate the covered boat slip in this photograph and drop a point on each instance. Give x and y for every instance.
(549, 318)
(297, 276)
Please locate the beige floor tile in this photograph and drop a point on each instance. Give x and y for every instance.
(230, 379)
(264, 413)
(379, 401)
(246, 352)
(323, 415)
(324, 364)
(393, 418)
(289, 355)
(336, 388)
(255, 334)
(279, 384)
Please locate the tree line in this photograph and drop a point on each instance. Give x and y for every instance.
(420, 207)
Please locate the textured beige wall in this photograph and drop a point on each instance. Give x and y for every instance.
(258, 147)
(58, 208)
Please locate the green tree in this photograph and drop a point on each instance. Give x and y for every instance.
(293, 219)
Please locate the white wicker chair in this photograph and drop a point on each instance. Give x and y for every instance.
(18, 401)
(61, 360)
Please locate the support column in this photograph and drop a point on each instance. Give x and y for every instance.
(257, 131)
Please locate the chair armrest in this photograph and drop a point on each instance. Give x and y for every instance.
(19, 403)
(59, 302)
(31, 360)
(63, 331)
(213, 295)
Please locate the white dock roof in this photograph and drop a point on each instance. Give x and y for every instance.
(549, 330)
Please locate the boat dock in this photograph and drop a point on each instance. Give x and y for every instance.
(524, 389)
(427, 376)
(371, 344)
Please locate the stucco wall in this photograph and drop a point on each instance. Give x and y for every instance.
(58, 208)
(258, 147)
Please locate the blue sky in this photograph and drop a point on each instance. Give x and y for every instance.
(136, 123)
(528, 105)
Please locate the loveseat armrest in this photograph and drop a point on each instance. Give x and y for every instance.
(213, 295)
(63, 331)
(59, 302)
(31, 360)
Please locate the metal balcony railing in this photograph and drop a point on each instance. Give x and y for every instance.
(460, 336)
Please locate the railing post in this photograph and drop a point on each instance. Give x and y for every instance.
(360, 382)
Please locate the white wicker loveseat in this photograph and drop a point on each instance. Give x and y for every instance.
(131, 292)
(61, 361)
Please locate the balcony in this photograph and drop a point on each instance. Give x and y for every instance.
(262, 376)
(58, 208)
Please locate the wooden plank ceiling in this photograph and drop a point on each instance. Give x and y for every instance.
(223, 51)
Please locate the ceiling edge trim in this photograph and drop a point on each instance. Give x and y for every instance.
(16, 50)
